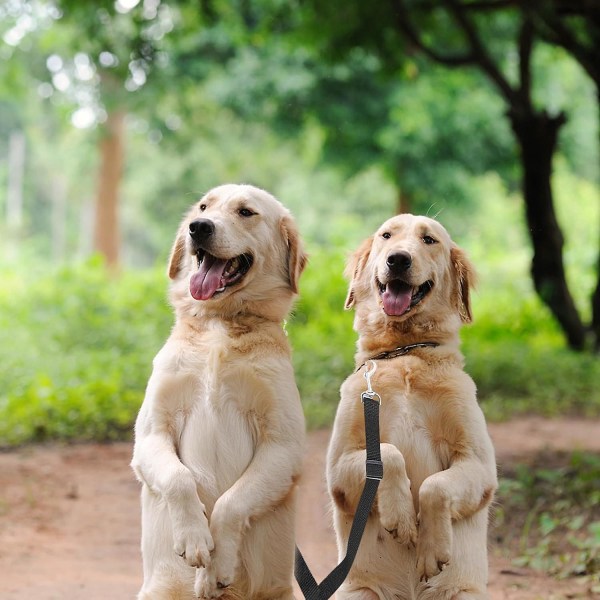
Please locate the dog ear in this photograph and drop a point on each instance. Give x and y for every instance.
(355, 267)
(297, 259)
(466, 279)
(177, 252)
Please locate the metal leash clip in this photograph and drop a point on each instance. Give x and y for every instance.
(370, 394)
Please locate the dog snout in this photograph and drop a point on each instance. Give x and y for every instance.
(399, 262)
(201, 229)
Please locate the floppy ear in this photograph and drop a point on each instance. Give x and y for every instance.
(465, 278)
(355, 267)
(297, 259)
(177, 253)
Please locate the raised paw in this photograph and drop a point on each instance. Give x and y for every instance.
(397, 516)
(434, 547)
(205, 586)
(214, 580)
(403, 529)
(194, 543)
(428, 567)
(209, 586)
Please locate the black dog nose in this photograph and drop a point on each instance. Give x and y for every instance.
(399, 262)
(201, 229)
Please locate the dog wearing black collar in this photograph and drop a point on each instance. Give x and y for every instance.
(426, 537)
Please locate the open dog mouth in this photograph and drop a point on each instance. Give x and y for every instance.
(399, 297)
(215, 275)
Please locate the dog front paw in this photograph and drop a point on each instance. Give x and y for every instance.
(213, 581)
(206, 586)
(193, 542)
(397, 512)
(398, 518)
(430, 564)
(434, 546)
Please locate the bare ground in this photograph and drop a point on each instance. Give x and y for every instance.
(69, 517)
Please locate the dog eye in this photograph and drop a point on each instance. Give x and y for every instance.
(245, 212)
(427, 239)
(386, 235)
(202, 207)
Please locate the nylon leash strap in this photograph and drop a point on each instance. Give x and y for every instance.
(374, 474)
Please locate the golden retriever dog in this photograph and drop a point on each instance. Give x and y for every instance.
(219, 439)
(426, 535)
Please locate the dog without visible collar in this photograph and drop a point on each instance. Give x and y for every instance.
(220, 436)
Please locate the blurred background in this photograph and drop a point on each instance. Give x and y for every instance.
(116, 115)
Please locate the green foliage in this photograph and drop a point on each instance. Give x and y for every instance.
(516, 355)
(549, 513)
(76, 351)
(514, 348)
(76, 348)
(322, 337)
(427, 149)
(430, 146)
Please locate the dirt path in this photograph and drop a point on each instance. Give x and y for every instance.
(69, 517)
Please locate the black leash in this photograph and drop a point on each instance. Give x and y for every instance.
(374, 474)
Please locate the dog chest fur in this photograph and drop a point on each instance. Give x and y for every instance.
(404, 418)
(222, 406)
(217, 443)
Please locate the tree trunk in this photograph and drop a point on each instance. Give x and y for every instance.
(16, 170)
(537, 135)
(403, 204)
(595, 325)
(106, 224)
(58, 197)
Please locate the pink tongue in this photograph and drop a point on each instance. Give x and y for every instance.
(396, 298)
(207, 280)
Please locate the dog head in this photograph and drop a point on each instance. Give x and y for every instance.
(237, 246)
(411, 274)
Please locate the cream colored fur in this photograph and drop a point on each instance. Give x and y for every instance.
(426, 537)
(220, 435)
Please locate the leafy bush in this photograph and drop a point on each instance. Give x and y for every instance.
(76, 348)
(518, 359)
(322, 337)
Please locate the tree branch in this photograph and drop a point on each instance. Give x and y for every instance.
(491, 5)
(525, 49)
(552, 28)
(405, 25)
(476, 5)
(483, 58)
